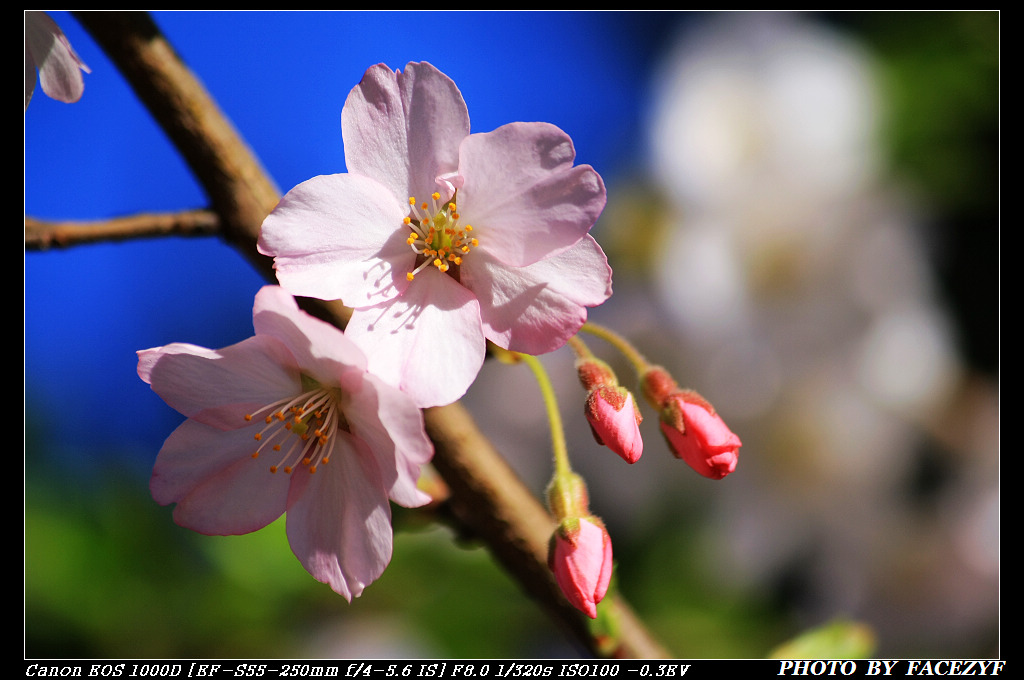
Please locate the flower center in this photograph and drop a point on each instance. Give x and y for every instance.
(436, 237)
(301, 429)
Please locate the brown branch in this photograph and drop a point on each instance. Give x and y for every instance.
(41, 235)
(486, 495)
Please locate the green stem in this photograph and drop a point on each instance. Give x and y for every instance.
(620, 343)
(559, 448)
(579, 348)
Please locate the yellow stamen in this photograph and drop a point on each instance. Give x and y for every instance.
(315, 419)
(437, 238)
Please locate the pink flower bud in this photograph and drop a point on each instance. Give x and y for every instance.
(581, 558)
(693, 430)
(698, 435)
(615, 421)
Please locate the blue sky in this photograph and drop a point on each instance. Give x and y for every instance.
(282, 78)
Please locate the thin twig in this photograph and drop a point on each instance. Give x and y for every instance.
(486, 495)
(42, 235)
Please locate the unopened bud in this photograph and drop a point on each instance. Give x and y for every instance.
(610, 409)
(580, 555)
(694, 431)
(615, 421)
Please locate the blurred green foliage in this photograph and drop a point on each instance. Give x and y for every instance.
(940, 79)
(109, 575)
(838, 639)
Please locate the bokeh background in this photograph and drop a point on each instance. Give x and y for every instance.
(803, 225)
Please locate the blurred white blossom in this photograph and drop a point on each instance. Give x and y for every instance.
(796, 273)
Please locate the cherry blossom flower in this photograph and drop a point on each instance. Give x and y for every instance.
(48, 49)
(581, 558)
(289, 420)
(440, 239)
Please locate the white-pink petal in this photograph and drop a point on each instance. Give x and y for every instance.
(428, 342)
(403, 128)
(324, 353)
(217, 485)
(340, 525)
(522, 195)
(536, 309)
(218, 387)
(391, 425)
(339, 237)
(48, 49)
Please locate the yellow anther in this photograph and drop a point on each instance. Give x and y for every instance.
(436, 196)
(409, 276)
(474, 242)
(248, 416)
(407, 220)
(312, 469)
(437, 263)
(412, 200)
(469, 227)
(258, 436)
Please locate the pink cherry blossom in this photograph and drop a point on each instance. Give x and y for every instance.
(581, 558)
(615, 421)
(440, 239)
(289, 420)
(48, 49)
